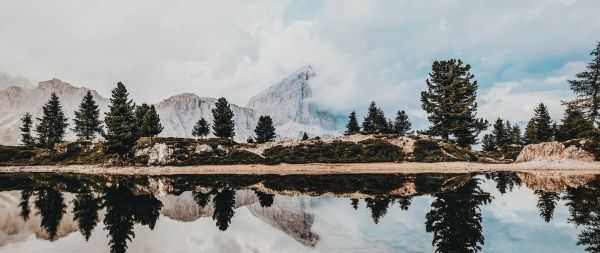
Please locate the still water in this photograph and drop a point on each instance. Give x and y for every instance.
(498, 212)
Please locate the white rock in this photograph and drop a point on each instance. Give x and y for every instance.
(553, 151)
(203, 148)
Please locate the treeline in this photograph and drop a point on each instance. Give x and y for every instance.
(124, 123)
(449, 101)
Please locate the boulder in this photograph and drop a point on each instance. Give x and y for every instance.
(158, 154)
(553, 151)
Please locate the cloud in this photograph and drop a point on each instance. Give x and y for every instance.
(362, 51)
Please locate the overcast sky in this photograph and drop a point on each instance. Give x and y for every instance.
(521, 51)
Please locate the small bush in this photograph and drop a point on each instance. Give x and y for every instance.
(9, 154)
(428, 151)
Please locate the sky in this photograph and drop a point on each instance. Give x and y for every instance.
(521, 51)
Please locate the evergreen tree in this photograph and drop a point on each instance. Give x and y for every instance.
(265, 199)
(352, 127)
(26, 126)
(574, 125)
(354, 203)
(375, 122)
(500, 134)
(304, 136)
(489, 143)
(223, 125)
(24, 204)
(515, 135)
(504, 180)
(121, 126)
(201, 129)
(402, 124)
(587, 87)
(265, 131)
(450, 102)
(378, 207)
(540, 127)
(140, 113)
(52, 125)
(202, 199)
(151, 123)
(118, 220)
(87, 119)
(404, 202)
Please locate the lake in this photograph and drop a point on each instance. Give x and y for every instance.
(493, 212)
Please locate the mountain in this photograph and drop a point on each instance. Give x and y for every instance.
(7, 81)
(288, 102)
(179, 113)
(15, 101)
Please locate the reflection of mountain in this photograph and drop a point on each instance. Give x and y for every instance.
(290, 215)
(13, 228)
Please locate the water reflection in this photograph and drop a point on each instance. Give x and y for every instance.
(452, 213)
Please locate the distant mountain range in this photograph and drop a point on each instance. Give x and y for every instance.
(287, 102)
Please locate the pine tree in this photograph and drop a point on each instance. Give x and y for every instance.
(574, 125)
(489, 143)
(121, 127)
(265, 131)
(530, 133)
(352, 127)
(304, 136)
(587, 88)
(151, 123)
(87, 119)
(500, 134)
(375, 122)
(402, 124)
(26, 126)
(223, 125)
(450, 102)
(201, 129)
(541, 129)
(140, 113)
(515, 135)
(52, 125)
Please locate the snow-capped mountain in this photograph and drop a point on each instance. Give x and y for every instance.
(287, 102)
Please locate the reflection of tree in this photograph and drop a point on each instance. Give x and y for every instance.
(224, 203)
(24, 204)
(123, 209)
(378, 207)
(504, 180)
(584, 205)
(201, 198)
(455, 218)
(85, 212)
(265, 199)
(51, 208)
(547, 203)
(354, 203)
(404, 202)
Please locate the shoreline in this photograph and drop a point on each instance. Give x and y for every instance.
(558, 167)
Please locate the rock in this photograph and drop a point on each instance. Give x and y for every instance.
(553, 182)
(553, 151)
(200, 148)
(158, 154)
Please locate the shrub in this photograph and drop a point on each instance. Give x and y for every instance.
(9, 154)
(428, 151)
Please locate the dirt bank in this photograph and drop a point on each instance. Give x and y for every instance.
(563, 168)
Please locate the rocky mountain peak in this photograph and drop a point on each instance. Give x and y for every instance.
(55, 84)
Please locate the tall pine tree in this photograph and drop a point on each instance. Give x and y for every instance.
(352, 127)
(26, 125)
(121, 126)
(265, 131)
(140, 113)
(539, 129)
(402, 124)
(223, 125)
(201, 129)
(500, 134)
(489, 143)
(450, 102)
(515, 135)
(375, 122)
(587, 87)
(151, 123)
(87, 119)
(53, 123)
(574, 125)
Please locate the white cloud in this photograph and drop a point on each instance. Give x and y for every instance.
(363, 51)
